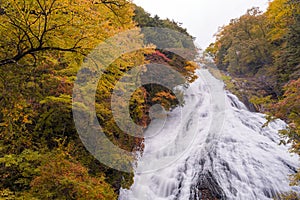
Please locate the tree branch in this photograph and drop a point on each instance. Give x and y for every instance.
(19, 56)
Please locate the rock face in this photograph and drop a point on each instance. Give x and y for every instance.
(248, 104)
(207, 188)
(246, 88)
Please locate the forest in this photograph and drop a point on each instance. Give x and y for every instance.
(42, 46)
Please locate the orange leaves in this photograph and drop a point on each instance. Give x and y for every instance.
(190, 68)
(61, 178)
(164, 98)
(163, 95)
(289, 106)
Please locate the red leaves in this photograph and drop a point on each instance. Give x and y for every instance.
(158, 57)
(290, 104)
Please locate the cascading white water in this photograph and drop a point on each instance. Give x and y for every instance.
(213, 144)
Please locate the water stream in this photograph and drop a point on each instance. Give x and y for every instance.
(212, 145)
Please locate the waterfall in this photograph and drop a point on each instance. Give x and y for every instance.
(212, 146)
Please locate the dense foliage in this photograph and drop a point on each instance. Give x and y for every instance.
(164, 38)
(42, 46)
(261, 52)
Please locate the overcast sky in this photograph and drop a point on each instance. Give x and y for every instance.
(201, 17)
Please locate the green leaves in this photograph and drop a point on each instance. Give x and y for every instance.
(242, 47)
(17, 171)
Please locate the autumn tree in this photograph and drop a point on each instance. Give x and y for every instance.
(30, 27)
(241, 47)
(42, 46)
(283, 18)
(288, 108)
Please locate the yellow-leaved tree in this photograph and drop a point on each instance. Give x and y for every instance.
(42, 46)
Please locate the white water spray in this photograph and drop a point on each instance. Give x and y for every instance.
(212, 145)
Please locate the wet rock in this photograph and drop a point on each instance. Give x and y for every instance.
(207, 188)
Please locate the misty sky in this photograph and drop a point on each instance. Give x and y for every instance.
(201, 17)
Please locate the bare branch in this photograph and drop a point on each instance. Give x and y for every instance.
(18, 57)
(116, 3)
